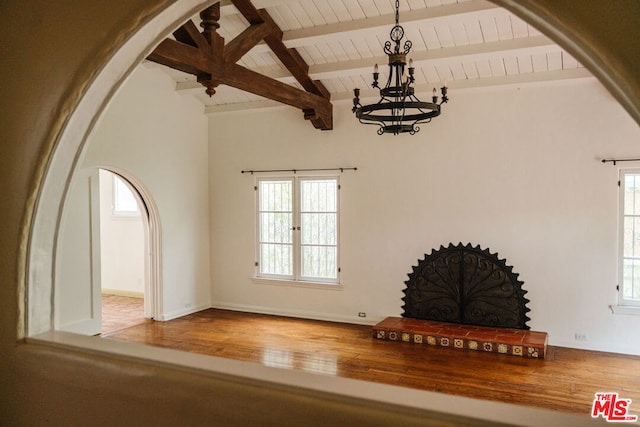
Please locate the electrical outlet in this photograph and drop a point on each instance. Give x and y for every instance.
(362, 314)
(580, 336)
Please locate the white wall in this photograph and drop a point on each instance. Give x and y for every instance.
(122, 245)
(513, 169)
(78, 258)
(159, 137)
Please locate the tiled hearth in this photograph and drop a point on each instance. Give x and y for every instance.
(515, 342)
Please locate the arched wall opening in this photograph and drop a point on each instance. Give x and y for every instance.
(102, 246)
(44, 232)
(151, 242)
(123, 227)
(39, 280)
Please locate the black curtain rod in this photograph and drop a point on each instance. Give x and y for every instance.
(614, 161)
(299, 170)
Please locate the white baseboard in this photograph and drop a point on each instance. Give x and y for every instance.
(123, 293)
(179, 313)
(302, 314)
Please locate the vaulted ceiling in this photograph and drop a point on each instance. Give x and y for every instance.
(463, 43)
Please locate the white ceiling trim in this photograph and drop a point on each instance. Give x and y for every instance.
(460, 54)
(410, 20)
(424, 90)
(467, 43)
(382, 24)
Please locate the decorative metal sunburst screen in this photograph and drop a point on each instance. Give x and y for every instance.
(466, 284)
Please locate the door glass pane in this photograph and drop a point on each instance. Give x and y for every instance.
(631, 238)
(319, 261)
(319, 229)
(629, 224)
(275, 223)
(276, 227)
(276, 259)
(318, 195)
(275, 196)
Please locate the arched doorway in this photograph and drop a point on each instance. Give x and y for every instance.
(127, 289)
(105, 240)
(42, 294)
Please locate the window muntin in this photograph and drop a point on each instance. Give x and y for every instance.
(629, 291)
(298, 229)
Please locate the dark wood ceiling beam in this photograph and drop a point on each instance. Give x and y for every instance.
(189, 34)
(315, 107)
(181, 56)
(206, 56)
(195, 61)
(236, 48)
(290, 58)
(297, 65)
(248, 10)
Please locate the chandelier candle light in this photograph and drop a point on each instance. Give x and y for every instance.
(398, 110)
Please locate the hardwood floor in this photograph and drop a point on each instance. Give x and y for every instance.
(119, 312)
(565, 381)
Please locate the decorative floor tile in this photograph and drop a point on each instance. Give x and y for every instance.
(514, 342)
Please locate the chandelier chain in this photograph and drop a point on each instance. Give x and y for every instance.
(397, 12)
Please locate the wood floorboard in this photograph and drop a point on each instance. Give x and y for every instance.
(119, 312)
(565, 381)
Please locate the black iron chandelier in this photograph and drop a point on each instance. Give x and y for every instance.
(398, 110)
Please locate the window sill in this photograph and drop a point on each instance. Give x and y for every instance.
(317, 389)
(297, 283)
(625, 309)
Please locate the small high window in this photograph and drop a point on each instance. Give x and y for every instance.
(124, 202)
(297, 223)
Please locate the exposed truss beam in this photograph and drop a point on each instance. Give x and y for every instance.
(206, 56)
(290, 58)
(236, 48)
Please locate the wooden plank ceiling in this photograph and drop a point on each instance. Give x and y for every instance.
(465, 43)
